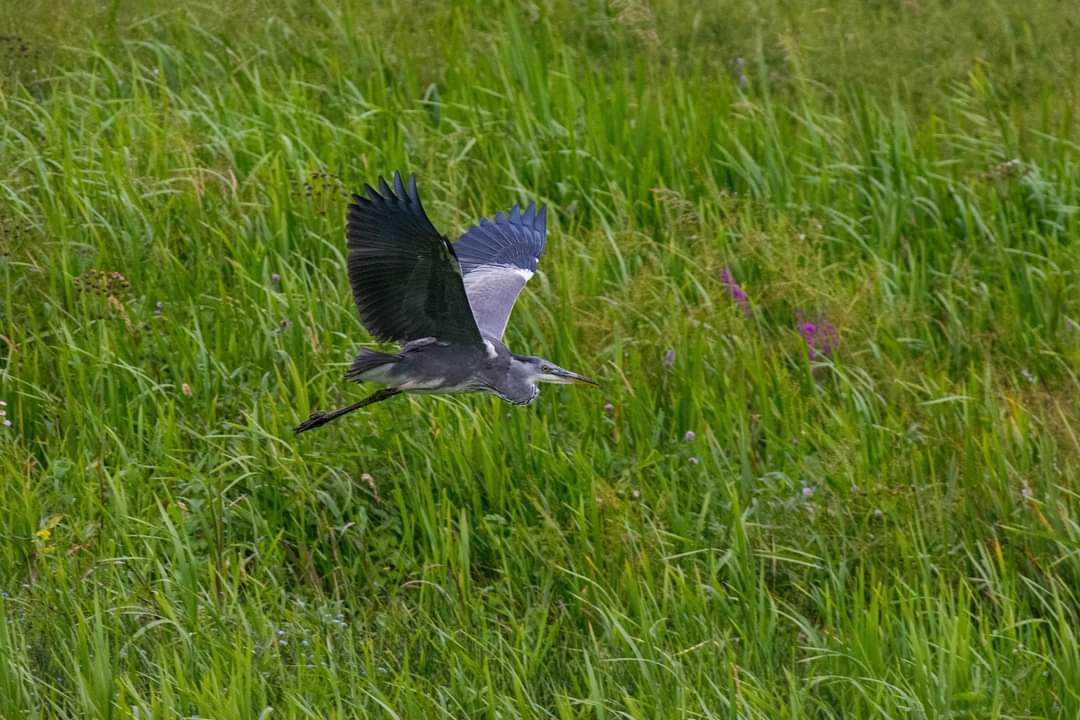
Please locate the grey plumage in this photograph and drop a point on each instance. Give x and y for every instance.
(446, 305)
(497, 258)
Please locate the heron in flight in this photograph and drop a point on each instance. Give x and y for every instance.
(445, 304)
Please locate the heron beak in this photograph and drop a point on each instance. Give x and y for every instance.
(565, 377)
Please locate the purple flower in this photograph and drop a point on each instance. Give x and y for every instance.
(807, 330)
(689, 436)
(807, 492)
(285, 324)
(275, 279)
(737, 293)
(669, 359)
(158, 307)
(820, 336)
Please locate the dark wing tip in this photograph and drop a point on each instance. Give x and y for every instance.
(384, 188)
(414, 193)
(533, 218)
(397, 193)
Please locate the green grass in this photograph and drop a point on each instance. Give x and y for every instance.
(892, 532)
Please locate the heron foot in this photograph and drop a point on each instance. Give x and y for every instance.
(314, 420)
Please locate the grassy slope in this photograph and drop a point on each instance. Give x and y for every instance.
(890, 534)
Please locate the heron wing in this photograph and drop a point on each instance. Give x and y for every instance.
(404, 275)
(498, 257)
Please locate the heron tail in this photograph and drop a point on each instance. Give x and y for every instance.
(316, 419)
(367, 361)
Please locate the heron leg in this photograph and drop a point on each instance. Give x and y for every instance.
(322, 417)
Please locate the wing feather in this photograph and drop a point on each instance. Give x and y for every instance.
(497, 258)
(405, 277)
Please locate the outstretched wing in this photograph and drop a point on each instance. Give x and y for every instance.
(498, 257)
(404, 275)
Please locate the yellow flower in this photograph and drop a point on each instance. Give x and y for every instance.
(45, 533)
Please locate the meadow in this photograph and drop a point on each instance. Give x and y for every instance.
(824, 258)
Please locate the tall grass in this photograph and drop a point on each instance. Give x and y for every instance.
(725, 529)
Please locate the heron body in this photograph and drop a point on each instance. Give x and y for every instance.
(434, 367)
(445, 304)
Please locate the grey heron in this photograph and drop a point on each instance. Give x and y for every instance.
(446, 305)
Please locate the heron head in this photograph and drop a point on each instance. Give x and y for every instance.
(542, 370)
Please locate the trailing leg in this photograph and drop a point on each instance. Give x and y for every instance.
(322, 417)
